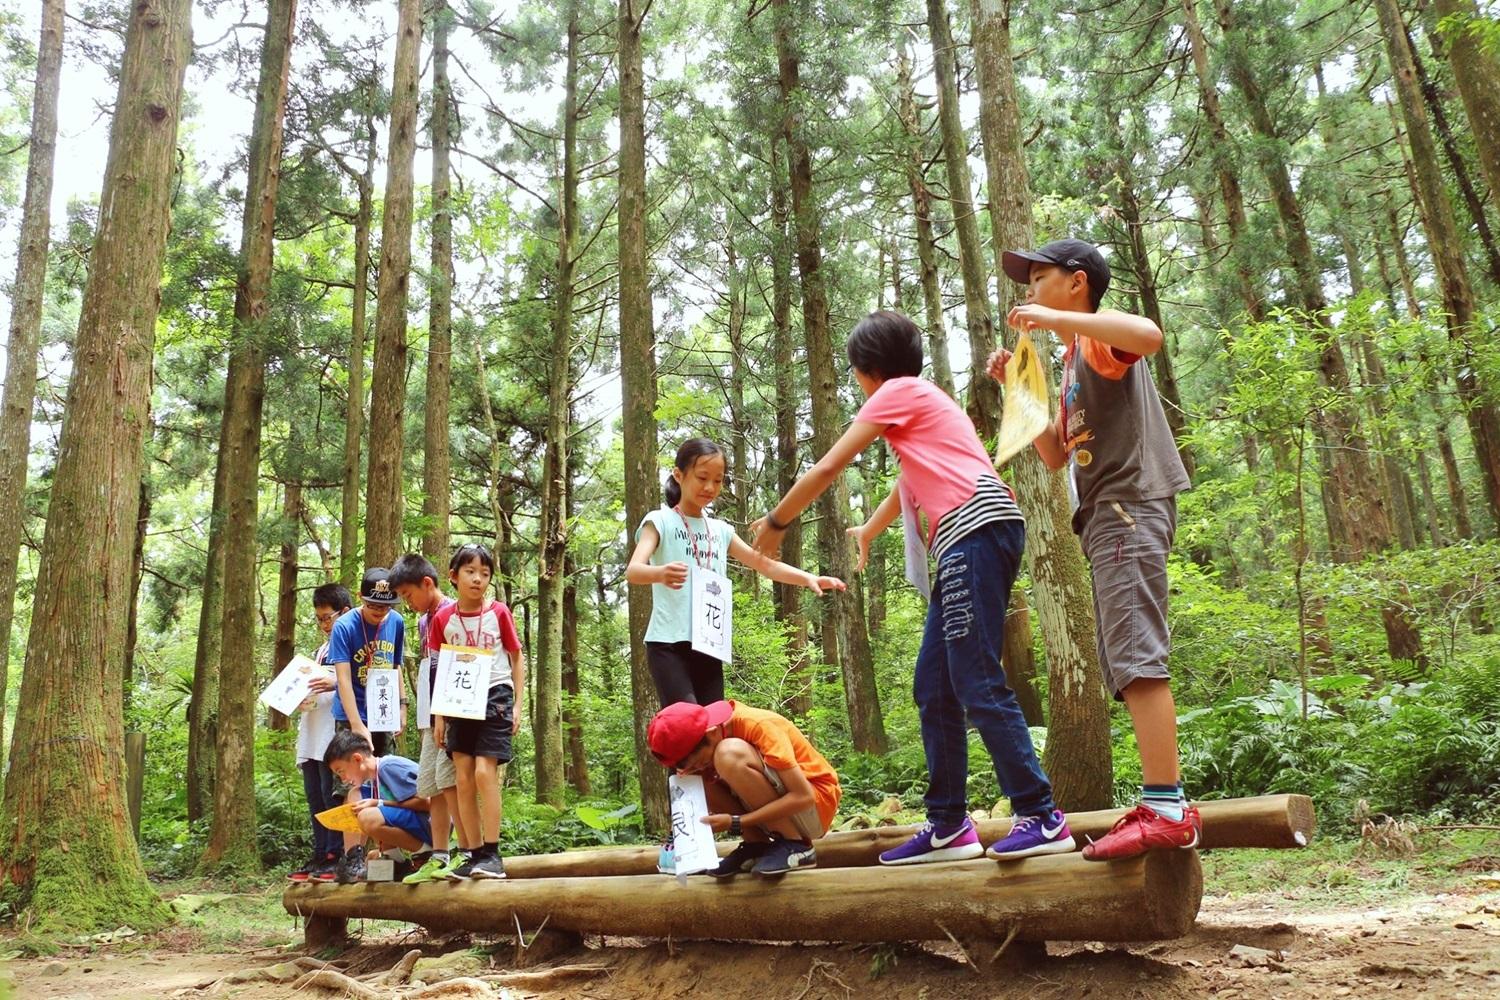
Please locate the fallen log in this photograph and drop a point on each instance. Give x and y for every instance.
(1262, 821)
(1149, 898)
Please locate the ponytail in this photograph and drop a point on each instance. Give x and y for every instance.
(672, 491)
(687, 456)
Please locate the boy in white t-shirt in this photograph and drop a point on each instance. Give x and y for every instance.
(314, 731)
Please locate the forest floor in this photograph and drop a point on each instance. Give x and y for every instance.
(1330, 921)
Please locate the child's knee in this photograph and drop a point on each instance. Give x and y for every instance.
(371, 819)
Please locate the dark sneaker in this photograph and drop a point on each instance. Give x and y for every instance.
(1030, 836)
(304, 873)
(326, 869)
(488, 867)
(351, 866)
(1144, 829)
(931, 843)
(459, 867)
(741, 859)
(784, 856)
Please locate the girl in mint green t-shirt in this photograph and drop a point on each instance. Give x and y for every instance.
(672, 539)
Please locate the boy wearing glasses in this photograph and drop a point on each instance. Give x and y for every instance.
(365, 638)
(314, 732)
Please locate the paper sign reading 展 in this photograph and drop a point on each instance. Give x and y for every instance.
(1025, 413)
(383, 700)
(692, 840)
(290, 688)
(463, 682)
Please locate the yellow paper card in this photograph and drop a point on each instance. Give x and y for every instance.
(1025, 414)
(340, 818)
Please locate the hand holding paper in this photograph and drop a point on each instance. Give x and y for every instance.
(1025, 414)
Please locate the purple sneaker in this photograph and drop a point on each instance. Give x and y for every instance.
(936, 844)
(1033, 835)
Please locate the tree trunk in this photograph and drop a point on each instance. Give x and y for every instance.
(286, 590)
(1446, 246)
(66, 854)
(349, 560)
(553, 528)
(739, 431)
(203, 707)
(1429, 502)
(1018, 657)
(231, 840)
(133, 623)
(384, 503)
(866, 726)
(578, 760)
(1403, 262)
(1150, 897)
(1463, 527)
(638, 388)
(983, 392)
(26, 324)
(789, 607)
(1476, 70)
(436, 467)
(921, 198)
(1078, 756)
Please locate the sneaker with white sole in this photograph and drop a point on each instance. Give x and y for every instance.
(1030, 836)
(934, 843)
(784, 855)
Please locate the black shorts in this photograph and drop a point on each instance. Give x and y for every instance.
(681, 673)
(487, 737)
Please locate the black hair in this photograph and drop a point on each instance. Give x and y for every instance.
(333, 595)
(470, 552)
(410, 568)
(687, 456)
(886, 345)
(1095, 294)
(346, 743)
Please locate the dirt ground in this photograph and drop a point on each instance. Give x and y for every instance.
(1427, 945)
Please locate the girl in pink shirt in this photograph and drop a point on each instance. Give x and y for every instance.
(976, 534)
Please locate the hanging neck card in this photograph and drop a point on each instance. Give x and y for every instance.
(383, 700)
(713, 612)
(692, 840)
(463, 682)
(1025, 414)
(424, 696)
(290, 688)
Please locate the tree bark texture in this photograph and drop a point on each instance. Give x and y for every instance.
(66, 852)
(983, 404)
(203, 707)
(286, 589)
(1151, 897)
(578, 760)
(866, 726)
(1476, 70)
(231, 839)
(436, 465)
(384, 503)
(1078, 755)
(1446, 247)
(638, 387)
(26, 323)
(354, 419)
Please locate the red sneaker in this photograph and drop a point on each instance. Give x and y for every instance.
(1143, 829)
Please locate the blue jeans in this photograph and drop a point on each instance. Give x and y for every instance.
(959, 674)
(317, 784)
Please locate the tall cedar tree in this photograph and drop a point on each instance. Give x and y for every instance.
(231, 840)
(1476, 70)
(67, 855)
(354, 409)
(384, 503)
(26, 321)
(436, 466)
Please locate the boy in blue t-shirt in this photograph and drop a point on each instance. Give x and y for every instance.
(388, 806)
(366, 637)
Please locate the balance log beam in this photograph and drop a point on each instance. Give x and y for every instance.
(1153, 897)
(1262, 821)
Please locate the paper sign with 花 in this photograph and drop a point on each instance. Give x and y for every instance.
(290, 688)
(713, 613)
(1025, 414)
(692, 840)
(463, 681)
(383, 700)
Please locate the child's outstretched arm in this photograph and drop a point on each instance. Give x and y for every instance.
(866, 533)
(780, 571)
(1132, 334)
(765, 533)
(640, 571)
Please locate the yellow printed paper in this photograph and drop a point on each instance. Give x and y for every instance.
(1025, 415)
(340, 818)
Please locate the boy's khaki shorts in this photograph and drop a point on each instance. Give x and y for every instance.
(434, 768)
(1127, 543)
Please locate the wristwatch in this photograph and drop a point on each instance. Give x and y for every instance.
(734, 826)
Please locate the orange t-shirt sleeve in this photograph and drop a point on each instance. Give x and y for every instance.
(774, 745)
(1105, 360)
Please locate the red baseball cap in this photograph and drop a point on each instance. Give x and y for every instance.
(678, 729)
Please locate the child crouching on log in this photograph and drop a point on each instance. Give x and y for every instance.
(763, 779)
(389, 809)
(976, 532)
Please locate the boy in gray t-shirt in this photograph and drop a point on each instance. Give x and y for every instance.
(1125, 465)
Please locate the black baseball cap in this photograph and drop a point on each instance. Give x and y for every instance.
(376, 587)
(1075, 255)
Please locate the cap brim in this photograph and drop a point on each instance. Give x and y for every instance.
(718, 713)
(1017, 264)
(381, 601)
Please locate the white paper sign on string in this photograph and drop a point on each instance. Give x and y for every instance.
(463, 681)
(290, 689)
(692, 840)
(424, 696)
(713, 613)
(383, 700)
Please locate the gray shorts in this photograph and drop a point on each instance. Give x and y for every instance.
(434, 768)
(1127, 544)
(808, 823)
